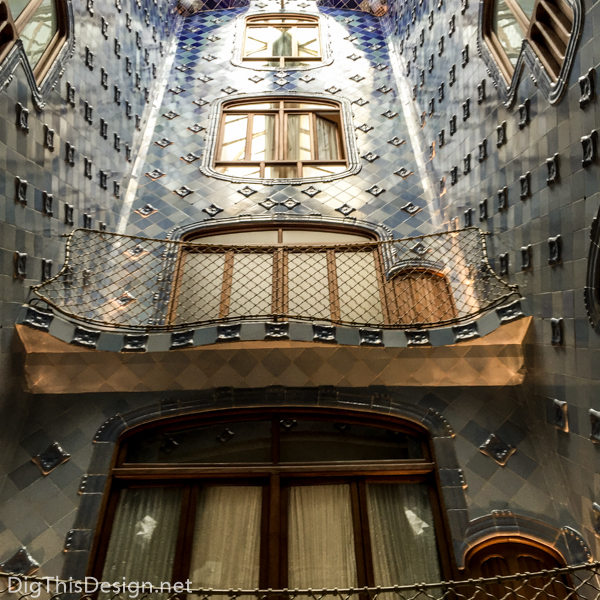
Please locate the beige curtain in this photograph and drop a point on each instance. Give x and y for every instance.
(402, 534)
(226, 551)
(142, 543)
(320, 537)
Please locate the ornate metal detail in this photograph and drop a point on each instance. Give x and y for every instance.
(229, 333)
(182, 339)
(277, 331)
(52, 457)
(375, 190)
(417, 338)
(553, 172)
(20, 563)
(345, 210)
(88, 338)
(555, 250)
(495, 448)
(324, 333)
(526, 262)
(183, 191)
(587, 85)
(561, 415)
(213, 210)
(38, 319)
(589, 147)
(557, 329)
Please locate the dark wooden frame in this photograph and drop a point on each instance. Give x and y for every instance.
(331, 110)
(302, 21)
(275, 478)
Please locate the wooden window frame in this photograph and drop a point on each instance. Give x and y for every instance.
(53, 49)
(275, 478)
(301, 21)
(545, 40)
(330, 108)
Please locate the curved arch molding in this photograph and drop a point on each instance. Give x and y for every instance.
(553, 91)
(591, 292)
(465, 533)
(17, 57)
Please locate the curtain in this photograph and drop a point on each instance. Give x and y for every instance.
(402, 534)
(282, 46)
(142, 543)
(226, 548)
(320, 537)
(327, 139)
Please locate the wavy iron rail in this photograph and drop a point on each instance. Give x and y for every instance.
(139, 283)
(580, 582)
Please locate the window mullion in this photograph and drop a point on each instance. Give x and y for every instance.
(185, 536)
(248, 150)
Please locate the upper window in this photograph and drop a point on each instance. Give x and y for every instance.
(282, 138)
(275, 499)
(282, 40)
(545, 24)
(41, 25)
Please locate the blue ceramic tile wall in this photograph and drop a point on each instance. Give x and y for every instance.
(554, 474)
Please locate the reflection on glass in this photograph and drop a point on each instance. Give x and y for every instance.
(308, 43)
(39, 31)
(321, 538)
(527, 6)
(16, 7)
(263, 137)
(509, 31)
(142, 542)
(287, 41)
(321, 171)
(283, 43)
(318, 441)
(226, 550)
(241, 441)
(254, 106)
(234, 137)
(402, 535)
(252, 171)
(298, 136)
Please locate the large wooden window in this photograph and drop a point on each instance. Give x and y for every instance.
(286, 498)
(297, 273)
(276, 138)
(284, 41)
(40, 24)
(546, 24)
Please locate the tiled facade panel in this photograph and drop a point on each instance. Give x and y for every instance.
(553, 475)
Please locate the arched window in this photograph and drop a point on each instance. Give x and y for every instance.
(545, 24)
(512, 555)
(275, 498)
(41, 25)
(282, 40)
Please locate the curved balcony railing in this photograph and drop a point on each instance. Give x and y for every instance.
(147, 284)
(579, 582)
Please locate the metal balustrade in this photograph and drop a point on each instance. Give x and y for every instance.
(579, 582)
(147, 284)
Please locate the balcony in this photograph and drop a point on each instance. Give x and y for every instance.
(147, 285)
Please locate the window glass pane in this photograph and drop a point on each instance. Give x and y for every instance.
(258, 41)
(17, 7)
(265, 236)
(144, 533)
(252, 285)
(248, 441)
(254, 106)
(305, 105)
(307, 39)
(321, 171)
(39, 31)
(318, 441)
(234, 137)
(201, 287)
(358, 287)
(509, 31)
(402, 535)
(251, 171)
(321, 538)
(527, 6)
(263, 138)
(298, 136)
(299, 236)
(226, 550)
(281, 172)
(327, 139)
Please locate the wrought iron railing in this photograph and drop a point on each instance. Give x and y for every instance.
(569, 583)
(141, 283)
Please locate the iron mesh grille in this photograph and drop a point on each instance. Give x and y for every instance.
(568, 583)
(141, 283)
